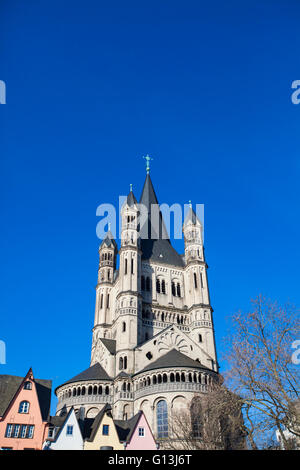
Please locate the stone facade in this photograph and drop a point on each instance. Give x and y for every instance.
(153, 345)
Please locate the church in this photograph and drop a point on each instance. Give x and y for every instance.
(153, 343)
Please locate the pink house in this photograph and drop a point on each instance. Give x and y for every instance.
(135, 433)
(24, 410)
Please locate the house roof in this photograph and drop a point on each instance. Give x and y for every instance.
(173, 358)
(91, 425)
(158, 247)
(125, 428)
(95, 372)
(9, 385)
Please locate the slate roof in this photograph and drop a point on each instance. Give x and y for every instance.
(95, 372)
(9, 385)
(191, 217)
(131, 200)
(125, 428)
(110, 344)
(173, 358)
(91, 425)
(109, 240)
(159, 247)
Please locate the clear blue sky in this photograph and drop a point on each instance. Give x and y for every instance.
(91, 87)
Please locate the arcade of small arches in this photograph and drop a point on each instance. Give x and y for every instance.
(82, 390)
(171, 377)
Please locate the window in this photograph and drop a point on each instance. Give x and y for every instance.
(24, 407)
(200, 338)
(132, 266)
(178, 290)
(158, 286)
(51, 432)
(121, 363)
(125, 265)
(195, 280)
(69, 430)
(123, 326)
(125, 362)
(162, 419)
(148, 284)
(8, 431)
(173, 289)
(27, 385)
(201, 280)
(143, 283)
(105, 430)
(30, 432)
(16, 430)
(163, 286)
(101, 301)
(141, 432)
(23, 431)
(107, 304)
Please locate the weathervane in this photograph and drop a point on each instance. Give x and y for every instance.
(147, 158)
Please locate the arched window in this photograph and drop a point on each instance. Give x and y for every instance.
(107, 390)
(143, 282)
(95, 390)
(124, 387)
(178, 290)
(148, 284)
(165, 378)
(200, 338)
(173, 289)
(162, 419)
(101, 301)
(172, 377)
(177, 377)
(24, 407)
(195, 280)
(121, 363)
(100, 390)
(83, 391)
(158, 286)
(27, 385)
(132, 266)
(163, 286)
(154, 380)
(125, 362)
(123, 326)
(201, 280)
(125, 265)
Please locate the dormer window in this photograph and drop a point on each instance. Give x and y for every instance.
(27, 385)
(24, 407)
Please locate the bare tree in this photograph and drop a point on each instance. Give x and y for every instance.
(261, 371)
(213, 422)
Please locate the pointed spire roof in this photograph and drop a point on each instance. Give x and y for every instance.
(109, 240)
(131, 200)
(155, 243)
(191, 217)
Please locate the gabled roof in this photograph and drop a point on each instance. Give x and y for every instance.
(125, 428)
(173, 358)
(59, 422)
(158, 248)
(95, 372)
(110, 344)
(10, 384)
(109, 241)
(191, 217)
(92, 425)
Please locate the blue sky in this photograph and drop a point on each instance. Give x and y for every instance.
(204, 87)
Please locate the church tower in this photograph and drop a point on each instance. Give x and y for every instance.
(153, 346)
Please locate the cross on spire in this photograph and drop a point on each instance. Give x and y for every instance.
(148, 158)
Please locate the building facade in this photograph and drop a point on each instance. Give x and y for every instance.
(24, 411)
(153, 344)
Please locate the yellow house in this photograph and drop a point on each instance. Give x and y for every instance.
(102, 434)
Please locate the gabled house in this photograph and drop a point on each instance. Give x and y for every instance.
(64, 433)
(100, 432)
(24, 411)
(135, 433)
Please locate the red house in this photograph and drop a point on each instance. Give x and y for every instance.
(24, 410)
